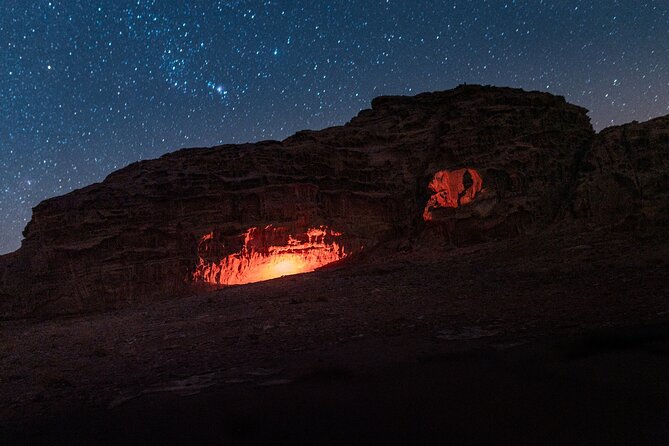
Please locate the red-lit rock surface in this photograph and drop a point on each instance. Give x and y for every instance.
(452, 190)
(136, 235)
(264, 254)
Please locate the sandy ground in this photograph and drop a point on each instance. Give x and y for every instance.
(542, 340)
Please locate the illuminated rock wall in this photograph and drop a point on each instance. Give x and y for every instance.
(452, 190)
(266, 253)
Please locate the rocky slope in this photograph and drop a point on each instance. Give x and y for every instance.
(518, 161)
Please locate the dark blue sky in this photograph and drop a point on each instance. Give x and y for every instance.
(87, 88)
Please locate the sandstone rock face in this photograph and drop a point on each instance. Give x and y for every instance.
(625, 177)
(511, 157)
(266, 253)
(452, 190)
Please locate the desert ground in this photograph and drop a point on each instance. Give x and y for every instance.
(560, 338)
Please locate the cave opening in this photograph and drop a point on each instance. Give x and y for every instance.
(452, 189)
(264, 253)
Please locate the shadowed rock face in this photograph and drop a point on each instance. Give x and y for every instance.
(625, 177)
(138, 234)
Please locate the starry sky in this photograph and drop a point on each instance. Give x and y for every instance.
(87, 87)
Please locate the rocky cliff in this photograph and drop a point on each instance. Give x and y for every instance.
(624, 179)
(462, 165)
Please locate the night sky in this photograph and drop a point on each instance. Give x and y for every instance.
(87, 88)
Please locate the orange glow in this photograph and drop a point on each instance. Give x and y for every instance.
(268, 253)
(452, 189)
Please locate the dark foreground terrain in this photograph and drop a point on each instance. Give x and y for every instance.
(560, 339)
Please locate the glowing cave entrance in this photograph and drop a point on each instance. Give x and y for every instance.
(452, 189)
(265, 253)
